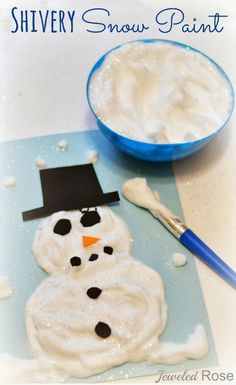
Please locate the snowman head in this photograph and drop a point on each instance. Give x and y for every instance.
(73, 239)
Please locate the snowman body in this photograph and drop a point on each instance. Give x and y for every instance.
(104, 316)
(100, 307)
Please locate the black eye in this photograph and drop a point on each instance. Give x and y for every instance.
(62, 227)
(108, 250)
(90, 218)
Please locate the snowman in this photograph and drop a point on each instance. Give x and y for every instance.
(99, 307)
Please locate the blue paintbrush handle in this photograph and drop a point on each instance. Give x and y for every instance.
(201, 250)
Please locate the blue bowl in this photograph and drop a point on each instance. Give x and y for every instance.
(151, 151)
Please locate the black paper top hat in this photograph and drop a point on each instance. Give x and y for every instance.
(70, 188)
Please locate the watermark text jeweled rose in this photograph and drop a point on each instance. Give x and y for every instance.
(199, 375)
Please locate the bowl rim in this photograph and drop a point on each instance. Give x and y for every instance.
(100, 61)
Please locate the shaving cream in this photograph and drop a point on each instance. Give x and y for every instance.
(160, 93)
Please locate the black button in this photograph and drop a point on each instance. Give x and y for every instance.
(93, 257)
(103, 330)
(90, 218)
(62, 227)
(94, 292)
(75, 261)
(108, 250)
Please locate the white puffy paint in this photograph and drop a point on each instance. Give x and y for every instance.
(40, 163)
(196, 347)
(10, 181)
(61, 318)
(5, 287)
(138, 192)
(92, 156)
(63, 145)
(160, 93)
(179, 259)
(14, 370)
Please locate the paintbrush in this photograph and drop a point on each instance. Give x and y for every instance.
(137, 191)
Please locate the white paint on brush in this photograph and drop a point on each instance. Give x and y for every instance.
(137, 191)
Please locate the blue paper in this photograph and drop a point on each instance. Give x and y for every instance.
(153, 244)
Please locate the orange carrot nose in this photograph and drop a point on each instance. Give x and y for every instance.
(88, 241)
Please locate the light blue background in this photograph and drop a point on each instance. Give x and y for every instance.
(153, 244)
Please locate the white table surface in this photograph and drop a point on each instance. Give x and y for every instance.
(42, 91)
